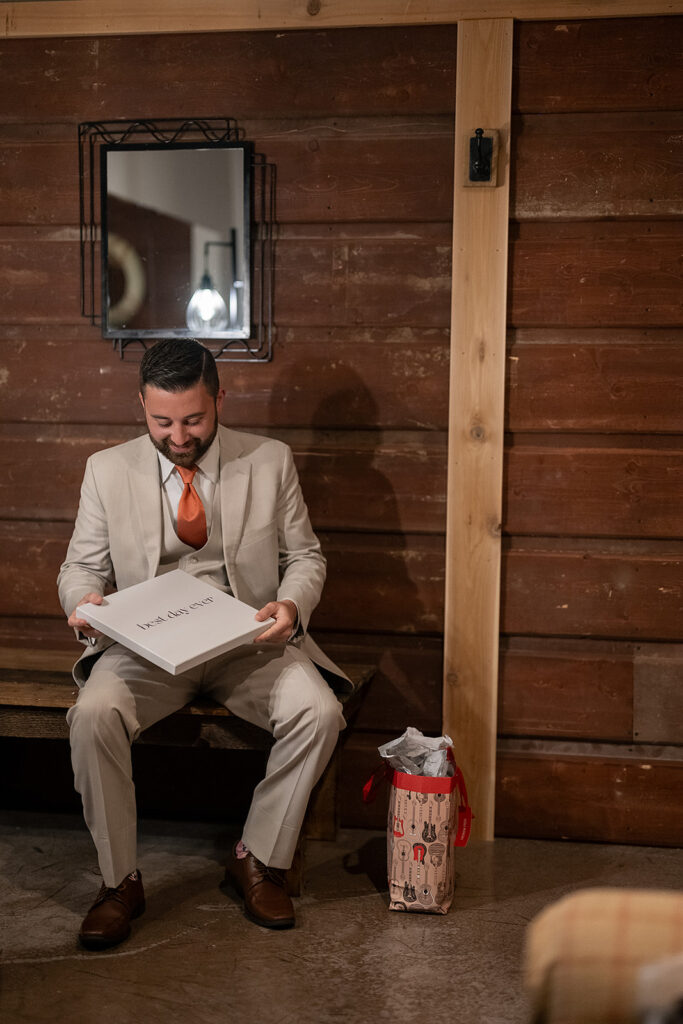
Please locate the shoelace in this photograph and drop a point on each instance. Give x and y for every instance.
(110, 894)
(275, 875)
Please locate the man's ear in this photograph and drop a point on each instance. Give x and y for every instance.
(219, 399)
(142, 399)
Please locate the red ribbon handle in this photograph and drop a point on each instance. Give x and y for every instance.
(464, 826)
(464, 823)
(379, 776)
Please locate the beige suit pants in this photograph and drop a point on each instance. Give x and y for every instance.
(273, 686)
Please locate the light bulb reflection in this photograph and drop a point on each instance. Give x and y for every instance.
(206, 310)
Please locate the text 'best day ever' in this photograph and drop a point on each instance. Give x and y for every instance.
(174, 613)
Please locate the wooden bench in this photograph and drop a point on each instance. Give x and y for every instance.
(37, 689)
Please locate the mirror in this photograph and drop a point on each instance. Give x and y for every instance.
(176, 239)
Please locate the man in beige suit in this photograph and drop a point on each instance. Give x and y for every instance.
(227, 508)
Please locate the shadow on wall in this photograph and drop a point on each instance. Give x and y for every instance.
(353, 508)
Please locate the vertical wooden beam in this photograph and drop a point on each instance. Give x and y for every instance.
(477, 388)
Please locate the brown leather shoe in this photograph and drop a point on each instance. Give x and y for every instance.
(108, 921)
(263, 889)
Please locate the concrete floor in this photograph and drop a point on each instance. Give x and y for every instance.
(193, 957)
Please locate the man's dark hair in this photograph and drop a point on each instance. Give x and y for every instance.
(177, 364)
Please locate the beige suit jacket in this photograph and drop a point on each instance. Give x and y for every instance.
(270, 550)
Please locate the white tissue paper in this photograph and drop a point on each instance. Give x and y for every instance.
(416, 754)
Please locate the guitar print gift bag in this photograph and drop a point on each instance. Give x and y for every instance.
(428, 818)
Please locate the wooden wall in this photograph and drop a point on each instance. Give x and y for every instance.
(591, 690)
(360, 126)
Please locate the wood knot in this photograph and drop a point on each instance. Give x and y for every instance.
(313, 7)
(477, 432)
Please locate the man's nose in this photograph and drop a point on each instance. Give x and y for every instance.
(179, 435)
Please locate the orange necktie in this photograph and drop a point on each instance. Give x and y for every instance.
(191, 526)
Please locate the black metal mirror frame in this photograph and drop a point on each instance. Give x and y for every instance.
(216, 132)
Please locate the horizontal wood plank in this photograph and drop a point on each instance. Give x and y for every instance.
(591, 690)
(338, 170)
(406, 679)
(93, 17)
(406, 686)
(41, 656)
(332, 378)
(658, 693)
(566, 688)
(352, 480)
(402, 574)
(42, 547)
(595, 380)
(548, 688)
(617, 799)
(382, 584)
(392, 481)
(549, 61)
(598, 798)
(605, 274)
(22, 690)
(43, 723)
(38, 632)
(571, 65)
(600, 588)
(375, 280)
(345, 170)
(580, 689)
(596, 274)
(598, 65)
(581, 490)
(605, 588)
(299, 74)
(39, 181)
(590, 166)
(372, 277)
(41, 280)
(558, 379)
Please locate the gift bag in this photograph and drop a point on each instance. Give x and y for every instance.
(428, 817)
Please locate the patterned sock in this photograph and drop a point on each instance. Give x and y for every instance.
(241, 850)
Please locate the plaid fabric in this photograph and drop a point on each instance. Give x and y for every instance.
(584, 952)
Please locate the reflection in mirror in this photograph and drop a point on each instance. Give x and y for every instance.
(176, 241)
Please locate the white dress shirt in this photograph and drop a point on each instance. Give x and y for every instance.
(205, 480)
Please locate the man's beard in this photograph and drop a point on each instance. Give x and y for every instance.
(190, 455)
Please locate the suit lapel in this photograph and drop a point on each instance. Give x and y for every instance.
(235, 475)
(145, 497)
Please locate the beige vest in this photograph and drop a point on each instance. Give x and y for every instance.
(207, 563)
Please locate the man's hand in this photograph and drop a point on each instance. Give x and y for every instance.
(285, 614)
(80, 624)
